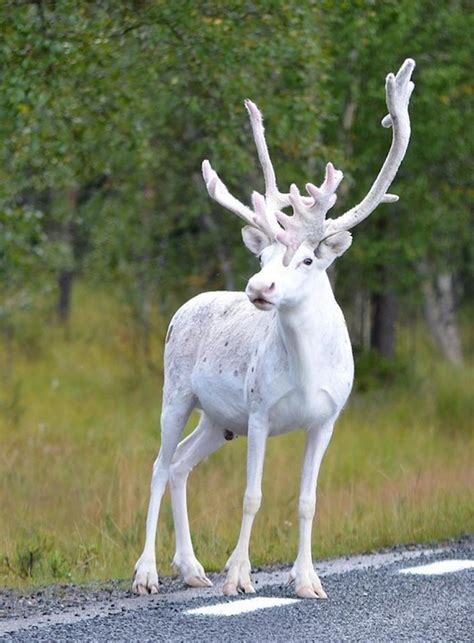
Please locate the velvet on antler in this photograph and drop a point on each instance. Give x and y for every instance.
(398, 90)
(309, 213)
(308, 222)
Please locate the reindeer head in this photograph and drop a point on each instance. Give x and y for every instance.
(293, 249)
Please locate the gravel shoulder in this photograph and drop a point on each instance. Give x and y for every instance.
(77, 601)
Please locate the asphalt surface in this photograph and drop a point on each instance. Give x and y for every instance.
(368, 600)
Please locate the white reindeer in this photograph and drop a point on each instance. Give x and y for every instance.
(267, 361)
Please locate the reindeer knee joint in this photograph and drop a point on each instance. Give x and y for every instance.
(178, 475)
(307, 508)
(252, 503)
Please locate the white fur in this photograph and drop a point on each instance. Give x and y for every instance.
(266, 362)
(258, 373)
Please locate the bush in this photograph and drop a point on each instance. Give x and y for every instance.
(373, 371)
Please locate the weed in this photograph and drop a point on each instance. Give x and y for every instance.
(11, 407)
(58, 565)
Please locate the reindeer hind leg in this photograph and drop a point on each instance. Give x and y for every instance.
(203, 441)
(173, 420)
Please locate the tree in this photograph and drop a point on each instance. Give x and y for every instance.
(131, 98)
(431, 220)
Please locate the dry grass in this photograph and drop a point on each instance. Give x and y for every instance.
(79, 432)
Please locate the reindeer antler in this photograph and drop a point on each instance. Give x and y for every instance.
(263, 216)
(308, 222)
(309, 211)
(273, 197)
(219, 192)
(398, 90)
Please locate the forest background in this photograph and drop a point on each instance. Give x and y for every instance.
(106, 112)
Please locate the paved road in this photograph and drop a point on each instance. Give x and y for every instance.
(370, 599)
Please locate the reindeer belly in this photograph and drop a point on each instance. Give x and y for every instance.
(222, 399)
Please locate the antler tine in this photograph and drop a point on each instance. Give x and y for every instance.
(219, 192)
(398, 90)
(264, 217)
(325, 196)
(273, 196)
(307, 222)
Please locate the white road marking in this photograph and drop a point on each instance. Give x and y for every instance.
(440, 567)
(240, 607)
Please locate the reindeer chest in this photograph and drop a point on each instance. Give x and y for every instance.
(299, 393)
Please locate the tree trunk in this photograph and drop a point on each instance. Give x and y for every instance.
(67, 232)
(440, 313)
(360, 320)
(383, 332)
(65, 281)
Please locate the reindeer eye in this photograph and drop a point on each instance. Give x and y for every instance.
(307, 262)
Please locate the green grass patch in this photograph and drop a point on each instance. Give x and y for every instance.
(79, 430)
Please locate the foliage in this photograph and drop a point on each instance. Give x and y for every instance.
(432, 217)
(373, 370)
(123, 102)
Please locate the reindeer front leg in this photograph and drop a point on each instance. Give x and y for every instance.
(238, 565)
(303, 575)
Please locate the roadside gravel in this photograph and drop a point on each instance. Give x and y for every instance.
(44, 601)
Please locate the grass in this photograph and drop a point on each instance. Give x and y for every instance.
(79, 430)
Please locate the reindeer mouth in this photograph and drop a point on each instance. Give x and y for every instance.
(262, 304)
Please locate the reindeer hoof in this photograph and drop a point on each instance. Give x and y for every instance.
(145, 578)
(306, 582)
(238, 578)
(198, 581)
(191, 570)
(306, 592)
(309, 592)
(230, 589)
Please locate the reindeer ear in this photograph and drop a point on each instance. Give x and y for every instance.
(255, 240)
(333, 246)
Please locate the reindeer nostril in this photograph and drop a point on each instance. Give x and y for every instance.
(272, 287)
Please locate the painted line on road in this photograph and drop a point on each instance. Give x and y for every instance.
(439, 567)
(240, 607)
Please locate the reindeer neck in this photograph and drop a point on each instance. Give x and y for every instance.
(309, 330)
